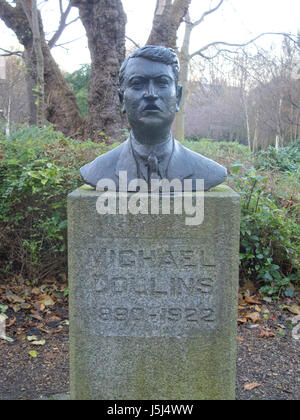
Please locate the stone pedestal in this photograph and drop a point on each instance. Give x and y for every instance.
(153, 301)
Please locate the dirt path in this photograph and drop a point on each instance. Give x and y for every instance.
(268, 365)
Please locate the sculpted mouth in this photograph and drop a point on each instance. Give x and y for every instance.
(151, 107)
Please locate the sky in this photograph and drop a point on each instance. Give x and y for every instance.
(236, 21)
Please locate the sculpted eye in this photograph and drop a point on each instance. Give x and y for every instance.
(163, 82)
(136, 83)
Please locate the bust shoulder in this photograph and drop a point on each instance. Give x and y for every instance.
(102, 167)
(199, 166)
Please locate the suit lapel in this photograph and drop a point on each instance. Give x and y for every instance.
(126, 163)
(180, 165)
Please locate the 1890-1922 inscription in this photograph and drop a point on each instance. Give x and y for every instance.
(149, 290)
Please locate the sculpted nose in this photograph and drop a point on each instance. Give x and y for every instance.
(151, 92)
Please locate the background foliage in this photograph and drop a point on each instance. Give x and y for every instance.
(79, 81)
(38, 168)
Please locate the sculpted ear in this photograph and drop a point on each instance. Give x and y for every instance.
(121, 97)
(179, 96)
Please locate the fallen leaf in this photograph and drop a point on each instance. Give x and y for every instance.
(46, 301)
(36, 316)
(249, 387)
(253, 301)
(11, 297)
(239, 338)
(3, 308)
(296, 319)
(32, 338)
(266, 333)
(242, 320)
(35, 291)
(52, 318)
(32, 353)
(11, 322)
(254, 317)
(50, 356)
(294, 309)
(296, 329)
(6, 338)
(253, 326)
(16, 308)
(39, 343)
(3, 318)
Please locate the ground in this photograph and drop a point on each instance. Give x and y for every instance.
(268, 357)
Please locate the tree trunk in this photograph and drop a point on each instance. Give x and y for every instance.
(32, 14)
(7, 115)
(167, 19)
(279, 134)
(60, 102)
(61, 105)
(104, 22)
(183, 80)
(255, 135)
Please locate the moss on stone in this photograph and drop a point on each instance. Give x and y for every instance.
(87, 187)
(221, 188)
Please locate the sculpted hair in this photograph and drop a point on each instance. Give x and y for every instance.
(153, 53)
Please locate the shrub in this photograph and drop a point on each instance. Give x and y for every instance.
(223, 152)
(285, 159)
(38, 168)
(270, 236)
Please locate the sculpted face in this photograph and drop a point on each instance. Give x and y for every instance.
(151, 97)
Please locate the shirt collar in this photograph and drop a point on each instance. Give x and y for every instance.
(163, 152)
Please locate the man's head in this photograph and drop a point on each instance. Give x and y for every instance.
(152, 53)
(149, 91)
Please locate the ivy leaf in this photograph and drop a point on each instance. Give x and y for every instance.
(289, 292)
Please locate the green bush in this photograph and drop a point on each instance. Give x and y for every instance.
(79, 81)
(270, 236)
(38, 168)
(285, 159)
(223, 152)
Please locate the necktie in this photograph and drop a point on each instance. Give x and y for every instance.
(153, 168)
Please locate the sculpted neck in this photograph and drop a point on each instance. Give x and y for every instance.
(152, 137)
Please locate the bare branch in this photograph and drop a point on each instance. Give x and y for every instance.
(131, 40)
(208, 12)
(7, 53)
(62, 24)
(228, 44)
(69, 42)
(61, 7)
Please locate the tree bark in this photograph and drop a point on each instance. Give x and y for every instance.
(167, 19)
(31, 12)
(104, 22)
(60, 102)
(184, 59)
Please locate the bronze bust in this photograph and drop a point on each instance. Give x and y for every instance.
(150, 96)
